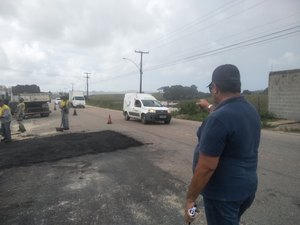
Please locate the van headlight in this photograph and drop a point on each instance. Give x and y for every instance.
(151, 111)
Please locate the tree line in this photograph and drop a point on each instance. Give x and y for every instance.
(179, 92)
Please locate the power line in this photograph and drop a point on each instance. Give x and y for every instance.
(208, 54)
(242, 32)
(195, 22)
(191, 24)
(159, 45)
(191, 56)
(249, 42)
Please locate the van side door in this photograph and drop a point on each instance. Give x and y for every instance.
(137, 108)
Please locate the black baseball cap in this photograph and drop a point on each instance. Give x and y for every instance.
(227, 73)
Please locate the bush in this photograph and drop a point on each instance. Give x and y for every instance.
(267, 116)
(260, 102)
(189, 108)
(107, 101)
(190, 111)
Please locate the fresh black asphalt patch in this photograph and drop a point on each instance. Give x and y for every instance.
(90, 185)
(54, 148)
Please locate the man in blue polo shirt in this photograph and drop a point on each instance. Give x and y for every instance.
(225, 158)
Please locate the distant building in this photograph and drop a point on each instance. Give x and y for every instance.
(284, 94)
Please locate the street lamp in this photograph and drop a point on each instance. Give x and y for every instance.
(141, 66)
(140, 69)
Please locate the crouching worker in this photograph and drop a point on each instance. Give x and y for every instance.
(5, 117)
(64, 106)
(20, 112)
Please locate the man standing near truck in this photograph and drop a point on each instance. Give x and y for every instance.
(64, 106)
(20, 112)
(5, 117)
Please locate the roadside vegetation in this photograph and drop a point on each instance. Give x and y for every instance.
(185, 99)
(110, 101)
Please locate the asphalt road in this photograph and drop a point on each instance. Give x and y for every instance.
(139, 185)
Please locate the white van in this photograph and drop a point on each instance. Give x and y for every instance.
(145, 108)
(76, 99)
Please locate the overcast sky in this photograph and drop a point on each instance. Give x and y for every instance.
(53, 43)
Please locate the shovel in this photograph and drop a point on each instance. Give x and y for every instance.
(60, 128)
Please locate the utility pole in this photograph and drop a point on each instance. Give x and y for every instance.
(87, 85)
(141, 67)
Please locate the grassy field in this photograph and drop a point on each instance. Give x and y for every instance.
(110, 101)
(260, 102)
(115, 101)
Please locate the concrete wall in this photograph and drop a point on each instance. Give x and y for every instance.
(284, 94)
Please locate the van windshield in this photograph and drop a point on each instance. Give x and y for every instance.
(79, 98)
(151, 103)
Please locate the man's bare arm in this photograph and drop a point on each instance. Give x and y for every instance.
(202, 174)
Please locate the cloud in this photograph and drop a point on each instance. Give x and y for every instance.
(290, 57)
(53, 43)
(8, 8)
(286, 61)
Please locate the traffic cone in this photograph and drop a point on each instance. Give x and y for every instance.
(109, 120)
(74, 112)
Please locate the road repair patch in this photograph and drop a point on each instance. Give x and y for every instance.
(54, 148)
(90, 185)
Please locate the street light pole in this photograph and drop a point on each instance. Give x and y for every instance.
(87, 85)
(140, 68)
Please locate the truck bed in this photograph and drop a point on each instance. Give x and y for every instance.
(33, 97)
